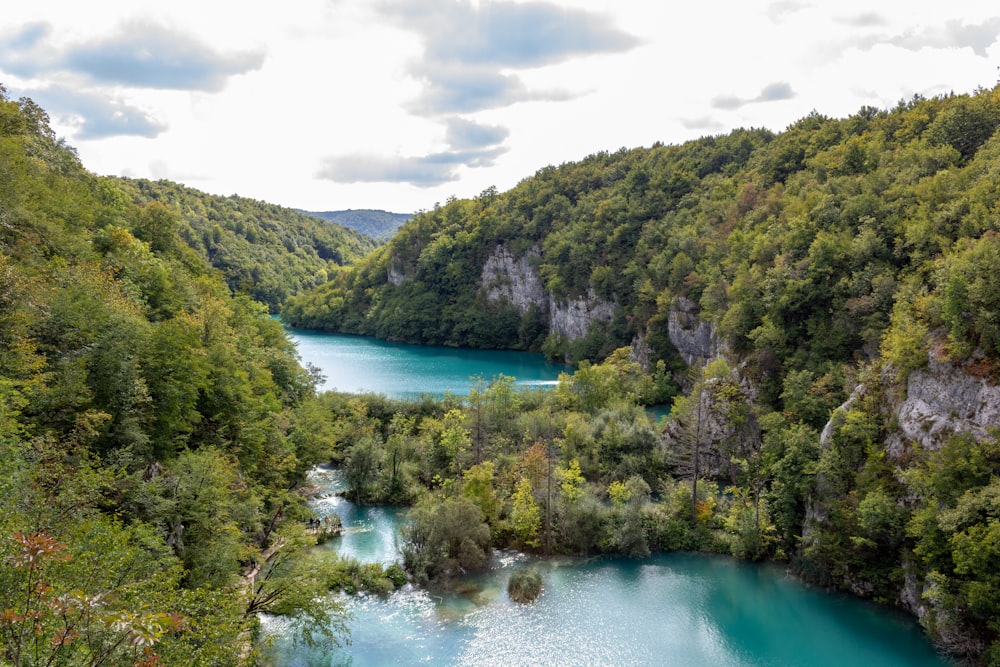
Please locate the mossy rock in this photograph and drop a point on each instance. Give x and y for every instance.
(524, 585)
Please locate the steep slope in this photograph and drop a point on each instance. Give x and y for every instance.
(265, 251)
(794, 244)
(147, 424)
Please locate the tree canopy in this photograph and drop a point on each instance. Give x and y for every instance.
(146, 412)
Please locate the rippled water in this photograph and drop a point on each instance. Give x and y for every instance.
(358, 364)
(673, 609)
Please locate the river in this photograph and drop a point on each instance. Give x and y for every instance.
(688, 610)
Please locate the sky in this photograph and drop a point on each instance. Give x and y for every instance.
(400, 104)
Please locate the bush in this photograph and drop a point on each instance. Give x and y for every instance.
(524, 585)
(397, 575)
(446, 538)
(352, 576)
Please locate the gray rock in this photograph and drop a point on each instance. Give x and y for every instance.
(515, 280)
(695, 340)
(942, 400)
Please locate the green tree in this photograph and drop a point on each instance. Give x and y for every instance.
(442, 539)
(966, 124)
(629, 499)
(293, 582)
(362, 463)
(477, 486)
(571, 481)
(790, 453)
(526, 514)
(204, 511)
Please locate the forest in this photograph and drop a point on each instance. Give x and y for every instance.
(157, 424)
(839, 265)
(266, 252)
(377, 224)
(151, 420)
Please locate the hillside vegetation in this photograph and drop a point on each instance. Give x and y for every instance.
(152, 426)
(820, 303)
(833, 292)
(797, 245)
(265, 251)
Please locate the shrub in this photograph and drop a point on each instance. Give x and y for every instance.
(524, 585)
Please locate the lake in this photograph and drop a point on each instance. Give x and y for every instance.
(357, 364)
(670, 609)
(688, 610)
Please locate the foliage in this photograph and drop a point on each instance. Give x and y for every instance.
(265, 251)
(379, 225)
(445, 538)
(524, 585)
(526, 515)
(777, 238)
(147, 417)
(832, 261)
(151, 420)
(352, 576)
(955, 531)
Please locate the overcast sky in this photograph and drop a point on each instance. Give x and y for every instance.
(398, 104)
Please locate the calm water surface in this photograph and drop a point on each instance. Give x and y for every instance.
(677, 609)
(358, 364)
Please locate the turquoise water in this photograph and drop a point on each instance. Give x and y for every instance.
(689, 610)
(358, 364)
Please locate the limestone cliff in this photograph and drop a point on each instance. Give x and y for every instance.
(515, 280)
(572, 319)
(695, 340)
(941, 400)
(936, 402)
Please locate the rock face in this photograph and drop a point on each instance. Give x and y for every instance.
(717, 433)
(516, 281)
(505, 278)
(641, 353)
(572, 319)
(942, 400)
(395, 275)
(695, 340)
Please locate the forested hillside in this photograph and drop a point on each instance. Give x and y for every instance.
(776, 238)
(265, 251)
(379, 225)
(825, 297)
(821, 303)
(151, 426)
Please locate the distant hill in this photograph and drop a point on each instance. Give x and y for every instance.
(265, 251)
(379, 225)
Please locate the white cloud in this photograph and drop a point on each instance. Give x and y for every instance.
(402, 104)
(139, 54)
